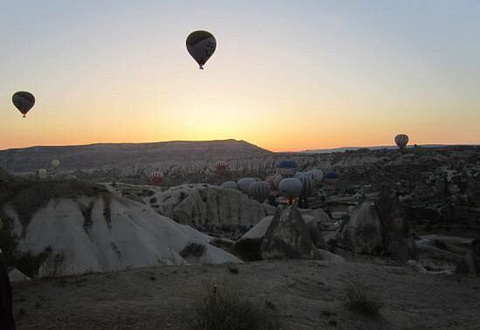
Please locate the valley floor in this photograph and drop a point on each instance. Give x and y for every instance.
(308, 295)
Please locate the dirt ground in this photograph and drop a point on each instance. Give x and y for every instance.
(308, 295)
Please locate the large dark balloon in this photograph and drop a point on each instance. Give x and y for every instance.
(23, 101)
(331, 177)
(201, 45)
(287, 168)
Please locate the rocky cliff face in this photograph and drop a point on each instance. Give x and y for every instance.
(206, 207)
(63, 234)
(397, 236)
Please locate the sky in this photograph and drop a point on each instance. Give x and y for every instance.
(286, 75)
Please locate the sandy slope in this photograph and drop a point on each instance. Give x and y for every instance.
(309, 295)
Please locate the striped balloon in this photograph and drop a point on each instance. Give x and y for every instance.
(244, 184)
(401, 140)
(260, 191)
(276, 180)
(316, 175)
(307, 184)
(23, 101)
(201, 45)
(221, 166)
(156, 177)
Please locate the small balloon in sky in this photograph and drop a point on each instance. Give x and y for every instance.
(201, 45)
(401, 140)
(23, 101)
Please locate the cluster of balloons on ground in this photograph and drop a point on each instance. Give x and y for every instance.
(288, 182)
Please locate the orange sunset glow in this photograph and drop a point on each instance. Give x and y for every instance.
(286, 77)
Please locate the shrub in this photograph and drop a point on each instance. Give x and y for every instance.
(363, 298)
(222, 308)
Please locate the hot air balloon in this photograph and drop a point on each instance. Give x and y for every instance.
(156, 177)
(276, 180)
(287, 168)
(42, 173)
(307, 188)
(244, 184)
(229, 185)
(55, 163)
(221, 166)
(316, 175)
(290, 188)
(201, 45)
(307, 184)
(401, 140)
(260, 191)
(23, 101)
(331, 177)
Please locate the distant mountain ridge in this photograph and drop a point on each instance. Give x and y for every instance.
(118, 154)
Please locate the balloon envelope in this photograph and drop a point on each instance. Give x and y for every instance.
(23, 101)
(201, 45)
(331, 177)
(276, 180)
(307, 183)
(401, 140)
(290, 188)
(244, 184)
(287, 168)
(55, 163)
(260, 191)
(316, 175)
(156, 177)
(42, 173)
(221, 166)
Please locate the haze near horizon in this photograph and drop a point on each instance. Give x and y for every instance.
(286, 76)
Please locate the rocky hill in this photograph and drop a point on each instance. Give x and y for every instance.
(121, 155)
(53, 228)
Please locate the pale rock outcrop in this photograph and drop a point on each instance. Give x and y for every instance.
(104, 233)
(203, 205)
